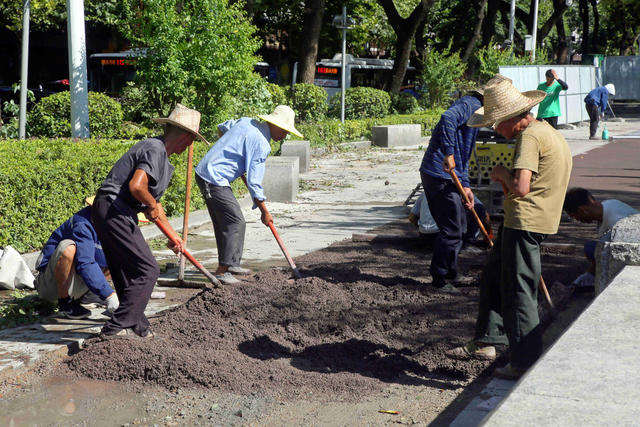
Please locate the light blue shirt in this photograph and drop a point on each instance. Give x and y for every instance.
(242, 148)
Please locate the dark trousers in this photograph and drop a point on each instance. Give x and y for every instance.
(445, 204)
(133, 268)
(594, 115)
(553, 121)
(228, 222)
(508, 307)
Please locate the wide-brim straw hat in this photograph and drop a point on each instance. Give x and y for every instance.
(283, 117)
(141, 218)
(184, 118)
(494, 80)
(503, 101)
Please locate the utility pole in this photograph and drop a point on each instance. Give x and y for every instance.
(534, 30)
(77, 70)
(24, 68)
(512, 17)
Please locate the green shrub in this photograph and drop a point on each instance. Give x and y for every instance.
(329, 133)
(135, 104)
(360, 103)
(133, 131)
(404, 103)
(278, 94)
(43, 182)
(442, 71)
(489, 58)
(309, 102)
(51, 117)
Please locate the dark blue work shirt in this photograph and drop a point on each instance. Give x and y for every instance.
(90, 259)
(599, 96)
(452, 136)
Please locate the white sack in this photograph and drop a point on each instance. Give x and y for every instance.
(14, 271)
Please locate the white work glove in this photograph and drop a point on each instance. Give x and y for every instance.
(112, 302)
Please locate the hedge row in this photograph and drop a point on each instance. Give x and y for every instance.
(331, 132)
(43, 182)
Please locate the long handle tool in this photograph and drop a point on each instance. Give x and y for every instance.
(466, 199)
(211, 277)
(542, 285)
(185, 220)
(296, 273)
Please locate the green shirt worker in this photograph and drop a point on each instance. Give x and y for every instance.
(549, 108)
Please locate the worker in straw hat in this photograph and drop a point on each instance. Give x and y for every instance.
(243, 147)
(450, 148)
(135, 184)
(595, 103)
(535, 188)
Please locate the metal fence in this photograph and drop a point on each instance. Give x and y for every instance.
(581, 79)
(624, 73)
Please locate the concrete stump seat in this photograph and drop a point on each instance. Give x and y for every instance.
(300, 149)
(616, 250)
(396, 135)
(281, 178)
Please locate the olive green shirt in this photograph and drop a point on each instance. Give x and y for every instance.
(544, 151)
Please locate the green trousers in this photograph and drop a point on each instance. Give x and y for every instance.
(508, 307)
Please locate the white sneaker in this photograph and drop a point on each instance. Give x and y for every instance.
(227, 279)
(239, 270)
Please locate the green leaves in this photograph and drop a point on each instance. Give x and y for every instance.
(51, 116)
(198, 52)
(361, 102)
(442, 72)
(23, 307)
(43, 182)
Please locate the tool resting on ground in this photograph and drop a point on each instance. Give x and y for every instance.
(272, 227)
(456, 181)
(542, 286)
(188, 255)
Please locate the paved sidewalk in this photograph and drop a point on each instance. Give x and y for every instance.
(342, 194)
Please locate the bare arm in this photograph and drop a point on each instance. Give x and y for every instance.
(519, 183)
(139, 188)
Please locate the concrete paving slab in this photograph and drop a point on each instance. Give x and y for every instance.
(590, 375)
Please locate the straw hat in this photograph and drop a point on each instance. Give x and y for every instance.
(494, 80)
(185, 119)
(141, 218)
(283, 117)
(611, 88)
(503, 101)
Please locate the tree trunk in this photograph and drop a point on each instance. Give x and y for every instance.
(584, 16)
(421, 46)
(558, 11)
(312, 25)
(595, 38)
(405, 30)
(482, 4)
(489, 22)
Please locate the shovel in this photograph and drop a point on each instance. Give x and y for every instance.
(296, 273)
(211, 277)
(473, 211)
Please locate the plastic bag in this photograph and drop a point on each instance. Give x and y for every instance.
(14, 271)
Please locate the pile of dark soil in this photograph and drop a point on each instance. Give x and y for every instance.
(363, 315)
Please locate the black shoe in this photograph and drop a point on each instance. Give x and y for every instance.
(72, 309)
(438, 281)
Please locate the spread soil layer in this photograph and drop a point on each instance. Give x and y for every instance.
(364, 315)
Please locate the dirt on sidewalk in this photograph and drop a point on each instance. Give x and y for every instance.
(364, 318)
